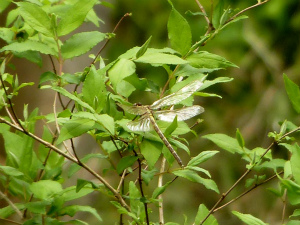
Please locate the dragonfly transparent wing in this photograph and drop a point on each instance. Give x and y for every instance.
(177, 96)
(134, 109)
(182, 114)
(143, 124)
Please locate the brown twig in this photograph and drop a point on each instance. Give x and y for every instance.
(247, 191)
(160, 184)
(140, 181)
(14, 207)
(106, 42)
(11, 105)
(209, 24)
(284, 206)
(244, 10)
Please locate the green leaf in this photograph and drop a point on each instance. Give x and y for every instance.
(72, 193)
(123, 68)
(74, 128)
(94, 89)
(4, 4)
(295, 213)
(32, 56)
(293, 191)
(45, 189)
(105, 120)
(126, 162)
(73, 209)
(194, 177)
(202, 157)
(159, 190)
(144, 48)
(209, 61)
(48, 76)
(295, 163)
(151, 150)
(74, 16)
(75, 167)
(234, 20)
(29, 45)
(37, 207)
(217, 14)
(73, 97)
(8, 210)
(293, 92)
(11, 171)
(240, 138)
(160, 59)
(225, 142)
(248, 219)
(36, 17)
(202, 213)
(179, 32)
(170, 129)
(81, 43)
(135, 196)
(209, 83)
(6, 34)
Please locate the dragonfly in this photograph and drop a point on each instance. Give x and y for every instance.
(148, 113)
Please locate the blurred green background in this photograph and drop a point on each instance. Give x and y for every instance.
(264, 46)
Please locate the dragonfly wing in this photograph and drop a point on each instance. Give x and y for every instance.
(177, 96)
(182, 114)
(133, 109)
(143, 124)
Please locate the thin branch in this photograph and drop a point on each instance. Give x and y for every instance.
(11, 105)
(53, 65)
(106, 42)
(122, 180)
(244, 10)
(140, 180)
(247, 191)
(224, 195)
(204, 12)
(86, 167)
(2, 195)
(284, 206)
(160, 199)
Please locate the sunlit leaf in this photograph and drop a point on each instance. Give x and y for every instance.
(81, 43)
(74, 128)
(74, 16)
(248, 219)
(202, 213)
(225, 142)
(29, 45)
(293, 92)
(36, 17)
(179, 32)
(45, 189)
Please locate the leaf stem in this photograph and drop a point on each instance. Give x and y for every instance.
(160, 184)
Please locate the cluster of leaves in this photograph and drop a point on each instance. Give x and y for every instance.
(33, 174)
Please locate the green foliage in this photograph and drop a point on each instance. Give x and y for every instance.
(132, 163)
